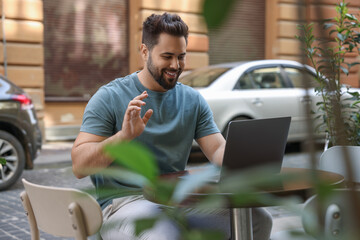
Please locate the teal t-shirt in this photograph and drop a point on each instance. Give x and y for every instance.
(180, 115)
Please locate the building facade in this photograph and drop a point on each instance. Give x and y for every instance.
(60, 52)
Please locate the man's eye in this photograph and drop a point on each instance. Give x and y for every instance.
(167, 57)
(181, 57)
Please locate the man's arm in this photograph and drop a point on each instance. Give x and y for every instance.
(213, 147)
(87, 153)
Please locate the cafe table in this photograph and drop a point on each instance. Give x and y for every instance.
(240, 214)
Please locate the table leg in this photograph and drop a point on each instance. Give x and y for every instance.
(241, 224)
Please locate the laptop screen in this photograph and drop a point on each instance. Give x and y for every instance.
(256, 143)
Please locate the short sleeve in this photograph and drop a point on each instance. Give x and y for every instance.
(98, 116)
(205, 122)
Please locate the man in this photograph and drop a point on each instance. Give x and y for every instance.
(151, 107)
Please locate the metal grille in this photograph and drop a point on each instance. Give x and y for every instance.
(242, 36)
(86, 46)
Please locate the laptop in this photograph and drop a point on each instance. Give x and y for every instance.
(254, 143)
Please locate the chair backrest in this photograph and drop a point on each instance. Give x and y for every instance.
(63, 212)
(332, 160)
(337, 213)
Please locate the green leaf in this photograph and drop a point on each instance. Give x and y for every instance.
(352, 64)
(200, 234)
(191, 182)
(345, 70)
(125, 176)
(350, 17)
(215, 11)
(342, 37)
(144, 224)
(2, 161)
(328, 25)
(163, 190)
(135, 157)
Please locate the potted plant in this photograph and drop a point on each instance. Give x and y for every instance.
(338, 110)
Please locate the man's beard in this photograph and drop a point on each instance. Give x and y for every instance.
(158, 75)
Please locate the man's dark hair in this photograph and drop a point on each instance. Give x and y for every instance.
(168, 23)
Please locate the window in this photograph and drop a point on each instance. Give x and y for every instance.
(262, 78)
(202, 77)
(245, 82)
(298, 77)
(85, 46)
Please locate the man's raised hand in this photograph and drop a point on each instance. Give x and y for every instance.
(133, 124)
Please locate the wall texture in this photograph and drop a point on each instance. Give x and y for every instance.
(282, 16)
(23, 33)
(25, 26)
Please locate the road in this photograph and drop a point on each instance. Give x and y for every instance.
(53, 168)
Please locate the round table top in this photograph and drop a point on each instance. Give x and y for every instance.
(293, 182)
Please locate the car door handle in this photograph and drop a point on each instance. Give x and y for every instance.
(306, 100)
(257, 102)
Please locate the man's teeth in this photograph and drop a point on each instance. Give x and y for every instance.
(172, 74)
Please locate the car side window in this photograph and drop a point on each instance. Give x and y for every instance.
(297, 77)
(262, 78)
(245, 82)
(268, 78)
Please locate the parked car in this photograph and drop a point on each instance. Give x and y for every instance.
(257, 89)
(20, 135)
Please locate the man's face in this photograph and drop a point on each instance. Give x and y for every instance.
(166, 60)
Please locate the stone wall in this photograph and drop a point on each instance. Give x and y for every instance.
(22, 36)
(282, 18)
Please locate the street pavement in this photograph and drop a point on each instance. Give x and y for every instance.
(53, 168)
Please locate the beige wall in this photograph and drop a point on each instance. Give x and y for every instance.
(282, 16)
(23, 27)
(24, 34)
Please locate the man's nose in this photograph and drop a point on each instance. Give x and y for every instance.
(175, 63)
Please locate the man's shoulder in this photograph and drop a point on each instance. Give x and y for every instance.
(187, 89)
(116, 85)
(121, 81)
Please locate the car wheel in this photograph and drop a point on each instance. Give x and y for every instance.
(13, 152)
(224, 133)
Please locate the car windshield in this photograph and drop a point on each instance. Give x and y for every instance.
(202, 77)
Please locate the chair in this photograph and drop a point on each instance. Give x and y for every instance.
(332, 160)
(336, 211)
(62, 212)
(339, 220)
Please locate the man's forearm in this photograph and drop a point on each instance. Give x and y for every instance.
(218, 156)
(88, 158)
(87, 153)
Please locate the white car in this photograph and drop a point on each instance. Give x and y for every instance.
(257, 89)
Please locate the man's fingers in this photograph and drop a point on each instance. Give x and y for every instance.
(142, 96)
(147, 116)
(131, 110)
(138, 103)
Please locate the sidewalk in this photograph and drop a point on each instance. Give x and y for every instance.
(54, 153)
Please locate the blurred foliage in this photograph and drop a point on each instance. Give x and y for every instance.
(125, 154)
(173, 190)
(215, 11)
(339, 108)
(2, 161)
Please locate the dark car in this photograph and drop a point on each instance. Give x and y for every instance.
(20, 135)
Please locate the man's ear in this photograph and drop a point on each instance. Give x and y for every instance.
(144, 51)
